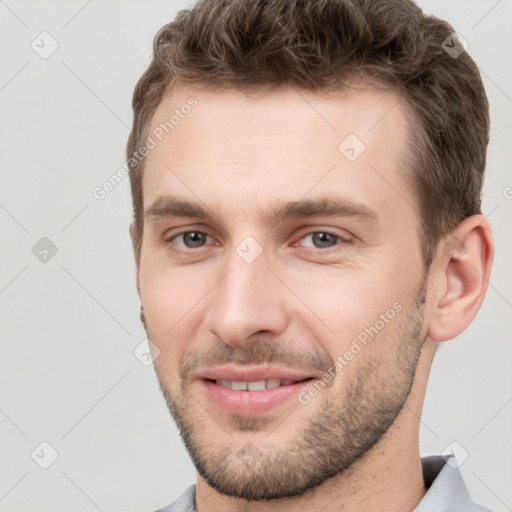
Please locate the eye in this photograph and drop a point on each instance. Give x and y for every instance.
(190, 239)
(321, 240)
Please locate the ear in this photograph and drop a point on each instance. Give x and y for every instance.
(132, 236)
(464, 267)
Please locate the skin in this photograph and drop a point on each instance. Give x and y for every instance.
(238, 156)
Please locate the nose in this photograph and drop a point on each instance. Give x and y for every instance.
(247, 300)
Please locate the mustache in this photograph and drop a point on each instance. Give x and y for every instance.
(272, 353)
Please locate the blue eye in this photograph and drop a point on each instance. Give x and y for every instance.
(191, 239)
(321, 240)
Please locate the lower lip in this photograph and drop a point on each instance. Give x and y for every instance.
(251, 402)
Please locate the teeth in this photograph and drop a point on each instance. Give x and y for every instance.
(258, 385)
(273, 383)
(238, 386)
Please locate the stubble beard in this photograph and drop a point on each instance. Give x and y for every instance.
(350, 424)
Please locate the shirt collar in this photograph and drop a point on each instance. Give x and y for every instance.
(447, 491)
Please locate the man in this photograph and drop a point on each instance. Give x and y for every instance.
(306, 179)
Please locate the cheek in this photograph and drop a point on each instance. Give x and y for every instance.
(361, 306)
(174, 302)
(165, 299)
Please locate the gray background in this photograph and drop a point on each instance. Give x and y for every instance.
(70, 324)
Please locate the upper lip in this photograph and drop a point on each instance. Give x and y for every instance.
(251, 374)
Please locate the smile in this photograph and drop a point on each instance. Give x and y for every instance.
(257, 385)
(250, 391)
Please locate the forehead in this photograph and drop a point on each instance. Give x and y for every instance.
(279, 145)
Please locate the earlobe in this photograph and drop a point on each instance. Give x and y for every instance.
(465, 264)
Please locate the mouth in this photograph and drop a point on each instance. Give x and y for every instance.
(252, 391)
(256, 385)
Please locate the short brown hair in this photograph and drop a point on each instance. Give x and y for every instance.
(323, 44)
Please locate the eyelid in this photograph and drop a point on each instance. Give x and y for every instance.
(170, 233)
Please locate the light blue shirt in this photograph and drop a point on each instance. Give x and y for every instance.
(446, 492)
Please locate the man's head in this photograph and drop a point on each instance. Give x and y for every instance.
(389, 44)
(305, 222)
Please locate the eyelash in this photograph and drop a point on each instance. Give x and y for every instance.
(341, 239)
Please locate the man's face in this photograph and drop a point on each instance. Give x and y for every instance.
(288, 314)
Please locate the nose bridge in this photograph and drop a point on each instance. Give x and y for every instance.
(246, 300)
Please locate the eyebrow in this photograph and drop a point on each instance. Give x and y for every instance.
(171, 206)
(323, 206)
